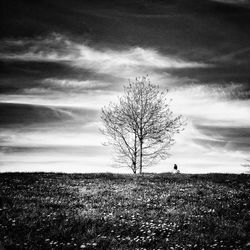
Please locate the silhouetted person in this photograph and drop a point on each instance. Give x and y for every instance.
(176, 171)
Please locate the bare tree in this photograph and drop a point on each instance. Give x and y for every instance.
(121, 135)
(141, 126)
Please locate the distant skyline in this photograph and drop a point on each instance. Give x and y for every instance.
(63, 60)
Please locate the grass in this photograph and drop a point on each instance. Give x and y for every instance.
(109, 211)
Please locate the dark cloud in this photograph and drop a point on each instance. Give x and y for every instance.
(22, 114)
(26, 114)
(241, 133)
(224, 75)
(16, 75)
(63, 150)
(171, 25)
(230, 138)
(229, 146)
(201, 31)
(243, 3)
(37, 70)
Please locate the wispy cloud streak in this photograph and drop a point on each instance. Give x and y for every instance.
(59, 48)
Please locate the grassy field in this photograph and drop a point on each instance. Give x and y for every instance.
(107, 211)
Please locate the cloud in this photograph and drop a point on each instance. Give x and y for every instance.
(230, 138)
(74, 135)
(87, 151)
(57, 48)
(236, 2)
(111, 60)
(89, 100)
(51, 48)
(211, 105)
(237, 57)
(25, 114)
(72, 84)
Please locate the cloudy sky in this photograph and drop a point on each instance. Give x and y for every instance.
(62, 60)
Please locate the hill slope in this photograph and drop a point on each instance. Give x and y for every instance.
(105, 211)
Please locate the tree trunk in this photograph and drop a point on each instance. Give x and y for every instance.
(135, 162)
(140, 156)
(134, 170)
